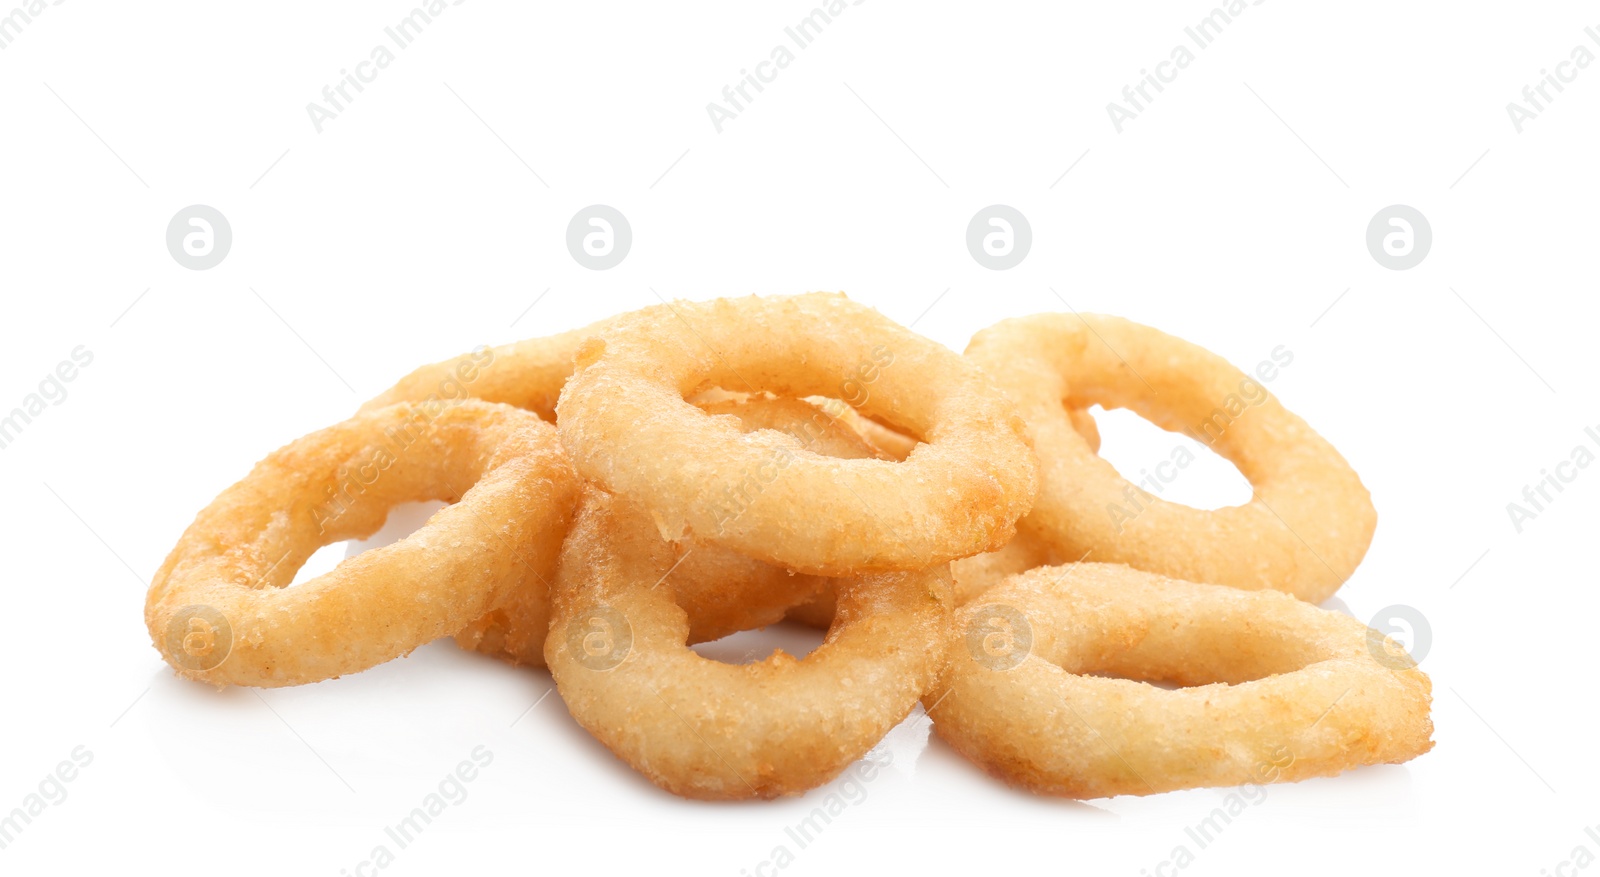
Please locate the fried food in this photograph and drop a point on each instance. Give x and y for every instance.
(1304, 531)
(219, 609)
(714, 731)
(1276, 689)
(720, 466)
(624, 420)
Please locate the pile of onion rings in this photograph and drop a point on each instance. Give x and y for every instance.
(670, 476)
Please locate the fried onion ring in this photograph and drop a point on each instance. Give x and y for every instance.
(219, 610)
(715, 731)
(624, 420)
(1281, 690)
(721, 591)
(1304, 531)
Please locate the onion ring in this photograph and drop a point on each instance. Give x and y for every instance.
(715, 731)
(624, 420)
(1283, 690)
(219, 611)
(721, 591)
(1305, 530)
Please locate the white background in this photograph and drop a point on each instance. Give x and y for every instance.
(415, 226)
